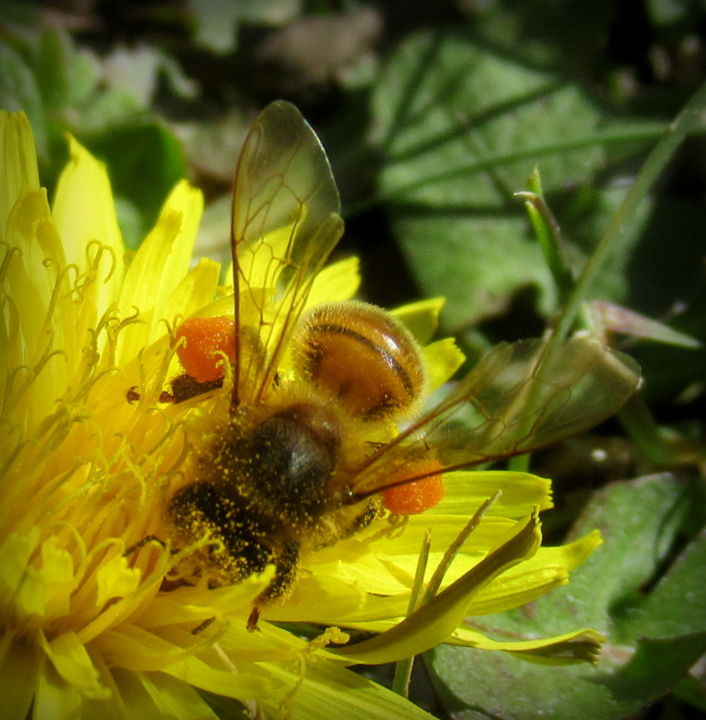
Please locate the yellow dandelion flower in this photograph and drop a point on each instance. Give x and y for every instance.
(129, 572)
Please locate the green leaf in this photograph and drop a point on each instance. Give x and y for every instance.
(677, 604)
(639, 521)
(653, 638)
(459, 129)
(478, 684)
(548, 234)
(83, 72)
(477, 264)
(145, 162)
(107, 109)
(136, 72)
(51, 68)
(217, 21)
(460, 126)
(691, 691)
(655, 668)
(19, 91)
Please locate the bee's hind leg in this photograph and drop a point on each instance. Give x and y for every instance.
(281, 584)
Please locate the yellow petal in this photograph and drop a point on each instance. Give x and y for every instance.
(237, 685)
(136, 649)
(56, 699)
(572, 647)
(18, 162)
(156, 695)
(116, 579)
(91, 236)
(520, 492)
(19, 664)
(32, 273)
(547, 569)
(326, 688)
(442, 358)
(45, 590)
(158, 267)
(336, 282)
(572, 554)
(421, 317)
(70, 659)
(197, 289)
(331, 606)
(44, 349)
(434, 622)
(116, 613)
(15, 551)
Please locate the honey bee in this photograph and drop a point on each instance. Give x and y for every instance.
(322, 408)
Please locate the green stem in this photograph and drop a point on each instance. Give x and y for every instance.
(403, 667)
(691, 119)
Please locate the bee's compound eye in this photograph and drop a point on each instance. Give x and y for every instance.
(364, 357)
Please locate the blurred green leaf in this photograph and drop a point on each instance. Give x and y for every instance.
(477, 684)
(52, 68)
(458, 129)
(549, 34)
(476, 264)
(19, 91)
(20, 13)
(217, 21)
(135, 71)
(146, 161)
(106, 111)
(677, 604)
(670, 12)
(448, 110)
(43, 73)
(692, 691)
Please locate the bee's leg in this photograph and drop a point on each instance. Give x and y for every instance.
(281, 583)
(202, 626)
(185, 387)
(367, 515)
(141, 543)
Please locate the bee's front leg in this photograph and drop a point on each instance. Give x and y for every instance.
(286, 564)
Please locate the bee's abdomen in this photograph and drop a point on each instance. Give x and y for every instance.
(364, 357)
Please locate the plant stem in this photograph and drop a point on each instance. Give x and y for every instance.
(690, 120)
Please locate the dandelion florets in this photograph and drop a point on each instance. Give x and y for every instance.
(100, 600)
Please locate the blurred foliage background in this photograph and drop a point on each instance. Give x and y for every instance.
(434, 115)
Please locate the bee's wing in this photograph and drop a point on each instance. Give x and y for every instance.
(285, 223)
(516, 399)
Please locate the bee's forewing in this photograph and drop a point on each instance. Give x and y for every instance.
(516, 399)
(285, 223)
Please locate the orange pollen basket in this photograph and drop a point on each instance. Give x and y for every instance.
(416, 496)
(204, 341)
